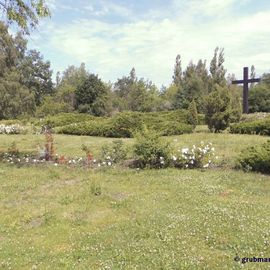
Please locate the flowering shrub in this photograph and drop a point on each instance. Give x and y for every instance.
(11, 129)
(201, 156)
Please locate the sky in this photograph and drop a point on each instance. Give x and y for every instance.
(112, 36)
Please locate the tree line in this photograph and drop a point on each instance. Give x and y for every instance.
(27, 88)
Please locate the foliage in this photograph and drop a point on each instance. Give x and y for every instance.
(24, 76)
(52, 107)
(150, 150)
(25, 14)
(192, 117)
(256, 158)
(201, 156)
(15, 99)
(91, 96)
(259, 98)
(36, 75)
(131, 93)
(115, 152)
(123, 125)
(261, 127)
(216, 67)
(177, 76)
(63, 119)
(218, 109)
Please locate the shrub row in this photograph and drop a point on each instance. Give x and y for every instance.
(261, 127)
(153, 118)
(124, 125)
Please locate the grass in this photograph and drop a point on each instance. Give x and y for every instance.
(227, 146)
(72, 218)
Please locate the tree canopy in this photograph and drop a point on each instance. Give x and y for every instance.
(25, 14)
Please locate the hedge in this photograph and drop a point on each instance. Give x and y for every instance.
(261, 127)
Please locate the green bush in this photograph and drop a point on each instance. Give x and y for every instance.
(256, 158)
(261, 127)
(150, 150)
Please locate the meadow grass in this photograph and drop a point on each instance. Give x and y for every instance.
(227, 146)
(115, 218)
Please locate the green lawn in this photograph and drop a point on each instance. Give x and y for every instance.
(50, 217)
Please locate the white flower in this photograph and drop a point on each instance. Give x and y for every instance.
(94, 161)
(55, 164)
(206, 165)
(99, 165)
(213, 148)
(174, 158)
(185, 150)
(109, 163)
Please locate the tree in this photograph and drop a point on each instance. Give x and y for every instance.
(37, 75)
(192, 117)
(67, 83)
(217, 69)
(218, 109)
(195, 84)
(23, 71)
(252, 75)
(177, 74)
(15, 98)
(259, 95)
(25, 14)
(91, 96)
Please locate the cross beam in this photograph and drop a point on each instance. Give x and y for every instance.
(245, 83)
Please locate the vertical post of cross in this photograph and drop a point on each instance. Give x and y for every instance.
(245, 94)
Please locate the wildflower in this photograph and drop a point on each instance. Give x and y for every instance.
(109, 163)
(185, 150)
(99, 165)
(55, 164)
(174, 158)
(206, 165)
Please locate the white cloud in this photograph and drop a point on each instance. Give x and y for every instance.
(151, 45)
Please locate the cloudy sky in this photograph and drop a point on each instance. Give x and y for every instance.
(112, 36)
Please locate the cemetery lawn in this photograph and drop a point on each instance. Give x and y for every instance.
(51, 218)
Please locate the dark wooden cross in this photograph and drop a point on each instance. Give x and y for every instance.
(245, 83)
